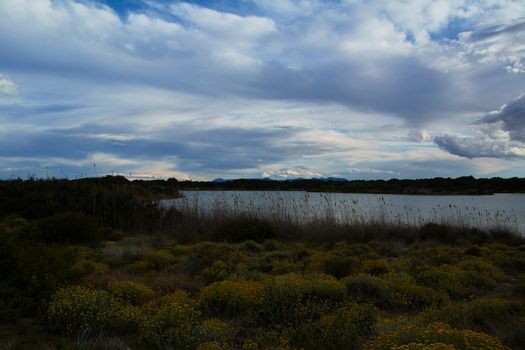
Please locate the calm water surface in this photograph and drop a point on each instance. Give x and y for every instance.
(506, 210)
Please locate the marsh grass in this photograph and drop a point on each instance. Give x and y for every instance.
(259, 216)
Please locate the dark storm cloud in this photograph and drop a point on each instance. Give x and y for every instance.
(510, 117)
(351, 84)
(499, 134)
(197, 149)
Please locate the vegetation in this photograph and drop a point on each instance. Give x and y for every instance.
(112, 201)
(437, 186)
(71, 280)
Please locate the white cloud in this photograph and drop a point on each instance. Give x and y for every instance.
(420, 136)
(501, 43)
(217, 23)
(290, 173)
(7, 86)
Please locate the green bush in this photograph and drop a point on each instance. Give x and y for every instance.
(198, 257)
(322, 287)
(251, 246)
(347, 323)
(213, 345)
(366, 288)
(8, 248)
(481, 266)
(244, 229)
(495, 316)
(408, 295)
(67, 228)
(39, 271)
(79, 310)
(341, 329)
(437, 336)
(158, 261)
(339, 266)
(511, 261)
(421, 346)
(376, 267)
(286, 294)
(217, 331)
(131, 292)
(170, 323)
(232, 298)
(447, 279)
(392, 291)
(479, 274)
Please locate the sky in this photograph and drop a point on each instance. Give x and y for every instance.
(260, 88)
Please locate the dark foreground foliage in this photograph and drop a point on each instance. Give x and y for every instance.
(112, 201)
(71, 280)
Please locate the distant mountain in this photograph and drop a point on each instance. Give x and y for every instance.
(330, 178)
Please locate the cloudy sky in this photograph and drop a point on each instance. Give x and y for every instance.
(262, 88)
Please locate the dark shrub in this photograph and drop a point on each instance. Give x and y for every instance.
(366, 288)
(340, 329)
(67, 228)
(437, 232)
(244, 229)
(38, 271)
(339, 266)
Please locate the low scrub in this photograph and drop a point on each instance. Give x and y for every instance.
(131, 292)
(285, 296)
(231, 298)
(392, 291)
(170, 323)
(434, 336)
(78, 310)
(343, 328)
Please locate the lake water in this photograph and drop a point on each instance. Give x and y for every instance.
(507, 210)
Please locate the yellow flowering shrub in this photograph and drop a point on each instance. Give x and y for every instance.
(407, 294)
(160, 260)
(366, 288)
(218, 270)
(341, 329)
(376, 267)
(334, 264)
(323, 287)
(421, 346)
(131, 292)
(392, 291)
(491, 315)
(217, 331)
(231, 297)
(437, 334)
(170, 323)
(212, 345)
(447, 279)
(285, 293)
(84, 267)
(78, 309)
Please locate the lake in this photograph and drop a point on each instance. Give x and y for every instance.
(499, 210)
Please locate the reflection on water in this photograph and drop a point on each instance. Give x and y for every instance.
(507, 210)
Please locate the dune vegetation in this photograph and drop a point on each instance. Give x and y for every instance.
(74, 278)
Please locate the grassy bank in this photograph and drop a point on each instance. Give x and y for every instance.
(71, 280)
